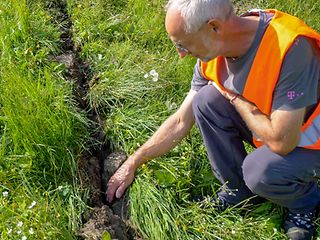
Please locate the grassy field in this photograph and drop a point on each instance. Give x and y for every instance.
(43, 132)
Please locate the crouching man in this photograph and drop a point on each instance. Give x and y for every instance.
(256, 80)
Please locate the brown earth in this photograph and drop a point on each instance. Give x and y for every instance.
(102, 220)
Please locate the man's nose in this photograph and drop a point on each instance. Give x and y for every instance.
(181, 53)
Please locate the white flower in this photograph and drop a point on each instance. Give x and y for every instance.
(155, 77)
(5, 193)
(32, 204)
(24, 238)
(60, 188)
(233, 232)
(19, 232)
(275, 230)
(100, 56)
(31, 231)
(9, 230)
(20, 224)
(153, 72)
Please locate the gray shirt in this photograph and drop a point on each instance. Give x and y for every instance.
(297, 86)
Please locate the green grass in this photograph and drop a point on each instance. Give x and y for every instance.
(42, 132)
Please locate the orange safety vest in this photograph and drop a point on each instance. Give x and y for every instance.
(281, 33)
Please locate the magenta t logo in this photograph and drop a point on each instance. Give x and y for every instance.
(291, 94)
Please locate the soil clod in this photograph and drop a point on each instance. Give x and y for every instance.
(102, 220)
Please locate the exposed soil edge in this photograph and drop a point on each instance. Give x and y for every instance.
(97, 164)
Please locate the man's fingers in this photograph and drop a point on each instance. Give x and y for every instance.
(121, 190)
(119, 182)
(112, 187)
(110, 194)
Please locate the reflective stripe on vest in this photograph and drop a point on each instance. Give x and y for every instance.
(281, 33)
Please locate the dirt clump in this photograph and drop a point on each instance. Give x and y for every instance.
(102, 220)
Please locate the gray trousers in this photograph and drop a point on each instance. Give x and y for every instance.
(290, 180)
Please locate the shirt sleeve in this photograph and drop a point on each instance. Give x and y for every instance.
(297, 86)
(198, 81)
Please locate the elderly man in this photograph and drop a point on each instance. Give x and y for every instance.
(256, 80)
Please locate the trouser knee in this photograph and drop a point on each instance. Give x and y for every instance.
(260, 177)
(285, 180)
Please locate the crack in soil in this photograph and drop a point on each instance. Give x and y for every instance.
(96, 165)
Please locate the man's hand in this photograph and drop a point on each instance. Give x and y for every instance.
(119, 182)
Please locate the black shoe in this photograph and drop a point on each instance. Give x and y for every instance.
(300, 226)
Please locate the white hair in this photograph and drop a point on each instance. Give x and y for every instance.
(196, 12)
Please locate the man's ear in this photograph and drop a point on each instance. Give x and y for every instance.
(214, 25)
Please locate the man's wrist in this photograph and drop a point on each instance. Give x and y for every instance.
(135, 160)
(132, 163)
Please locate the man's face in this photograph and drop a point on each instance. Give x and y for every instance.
(198, 44)
(202, 44)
